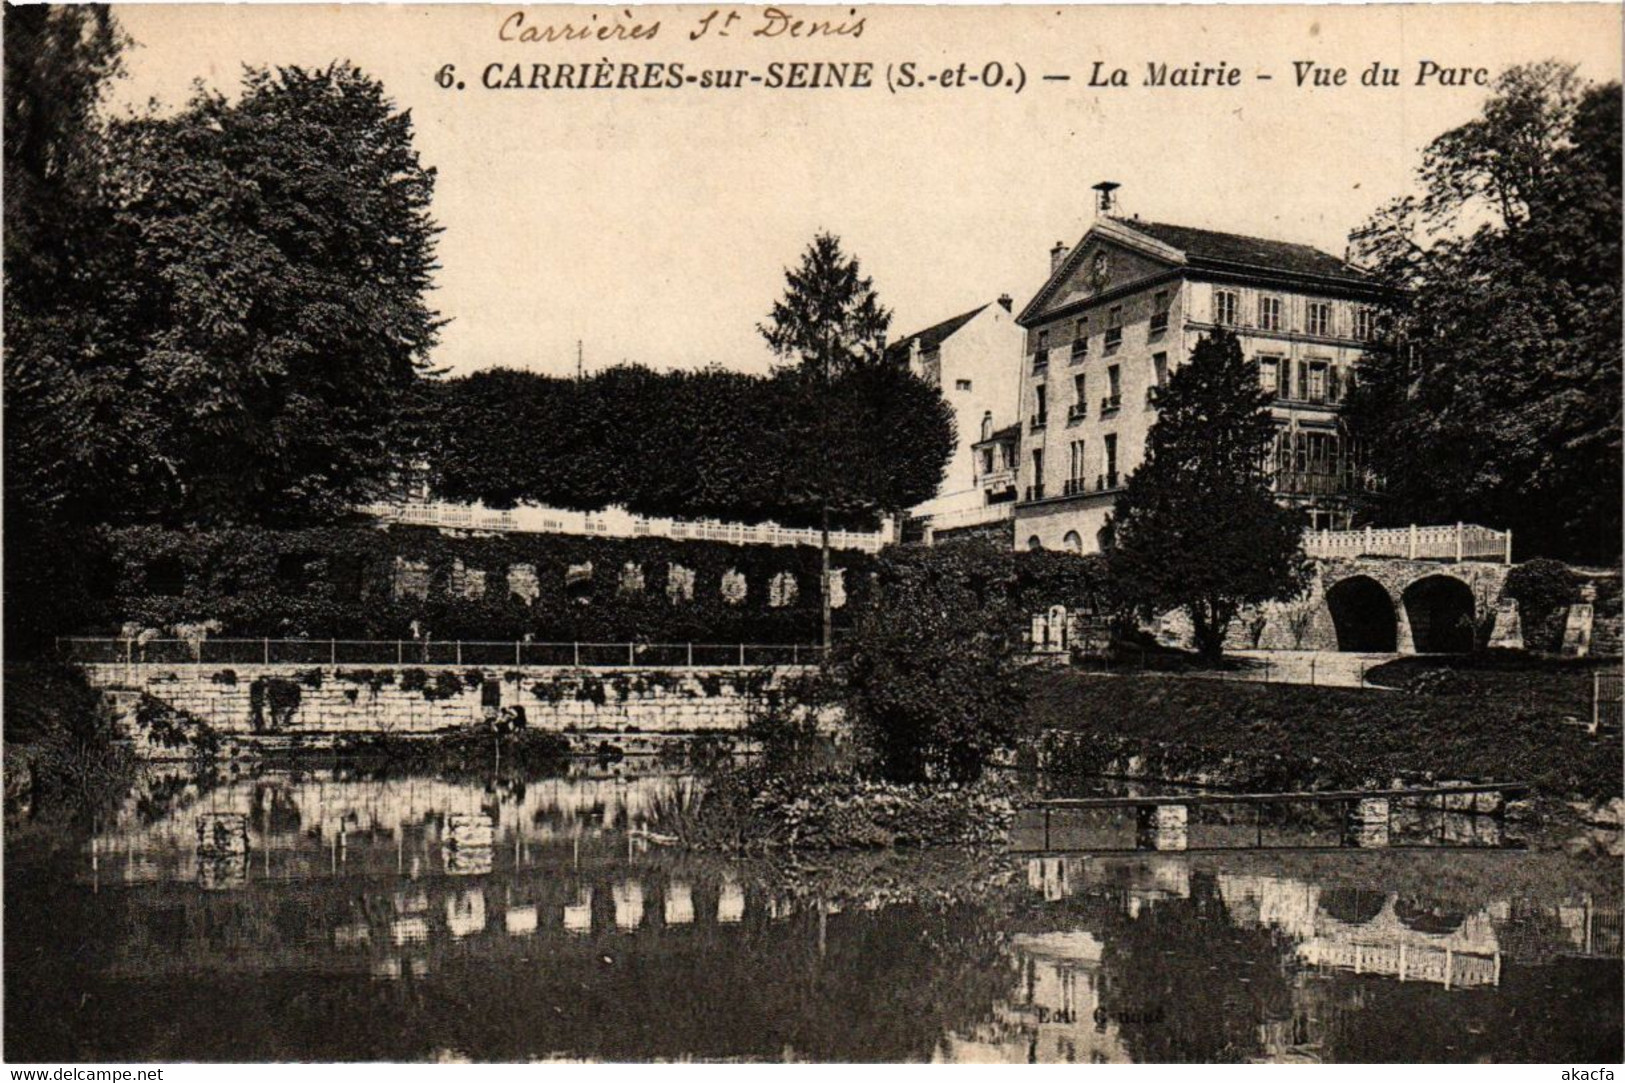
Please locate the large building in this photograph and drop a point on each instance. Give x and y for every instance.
(1125, 306)
(972, 359)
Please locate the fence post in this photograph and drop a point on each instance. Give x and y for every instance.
(631, 656)
(1508, 536)
(575, 649)
(741, 654)
(1311, 673)
(266, 644)
(1596, 699)
(1413, 542)
(690, 655)
(459, 649)
(1368, 539)
(516, 658)
(795, 654)
(1458, 543)
(332, 652)
(400, 653)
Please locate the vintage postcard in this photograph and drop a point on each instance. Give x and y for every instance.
(949, 534)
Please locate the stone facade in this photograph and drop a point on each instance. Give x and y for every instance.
(1122, 310)
(283, 700)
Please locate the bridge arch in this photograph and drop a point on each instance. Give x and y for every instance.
(1440, 609)
(1363, 615)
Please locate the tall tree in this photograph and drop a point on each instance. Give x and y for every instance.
(1196, 527)
(1494, 395)
(60, 451)
(831, 329)
(279, 249)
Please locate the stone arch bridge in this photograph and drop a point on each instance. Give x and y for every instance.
(1382, 604)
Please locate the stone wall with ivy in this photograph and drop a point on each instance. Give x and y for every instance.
(164, 707)
(363, 582)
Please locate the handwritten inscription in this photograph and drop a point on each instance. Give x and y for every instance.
(771, 22)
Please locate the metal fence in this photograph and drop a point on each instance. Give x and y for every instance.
(417, 652)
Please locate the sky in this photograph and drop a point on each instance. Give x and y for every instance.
(654, 226)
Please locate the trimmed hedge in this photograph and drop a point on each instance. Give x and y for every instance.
(340, 582)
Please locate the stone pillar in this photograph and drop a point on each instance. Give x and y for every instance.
(1366, 824)
(1404, 640)
(1162, 827)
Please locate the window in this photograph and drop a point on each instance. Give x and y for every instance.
(1317, 381)
(961, 385)
(987, 460)
(1114, 388)
(1159, 312)
(1159, 377)
(1334, 384)
(1035, 491)
(1073, 542)
(1267, 373)
(1226, 303)
(1114, 327)
(1040, 405)
(1303, 381)
(1319, 318)
(1283, 378)
(1034, 544)
(987, 424)
(1080, 339)
(1110, 443)
(1269, 313)
(1365, 324)
(1080, 397)
(1074, 474)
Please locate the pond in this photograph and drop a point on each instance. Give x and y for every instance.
(332, 914)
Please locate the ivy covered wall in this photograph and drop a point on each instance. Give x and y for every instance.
(363, 582)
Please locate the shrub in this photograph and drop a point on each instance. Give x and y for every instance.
(1543, 588)
(279, 696)
(928, 674)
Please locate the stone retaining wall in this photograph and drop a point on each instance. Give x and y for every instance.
(281, 700)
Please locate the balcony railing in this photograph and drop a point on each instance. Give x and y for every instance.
(1037, 421)
(1077, 412)
(1111, 404)
(1040, 360)
(1080, 349)
(966, 517)
(1073, 487)
(1035, 492)
(1114, 337)
(1463, 541)
(1159, 323)
(1106, 482)
(997, 479)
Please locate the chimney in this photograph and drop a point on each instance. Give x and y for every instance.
(1105, 198)
(1005, 300)
(1056, 255)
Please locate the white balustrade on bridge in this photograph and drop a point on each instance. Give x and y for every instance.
(1457, 542)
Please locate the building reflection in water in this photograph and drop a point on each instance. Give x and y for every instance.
(403, 879)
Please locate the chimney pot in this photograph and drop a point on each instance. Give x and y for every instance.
(1005, 301)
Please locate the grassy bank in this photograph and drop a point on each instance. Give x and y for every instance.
(1291, 735)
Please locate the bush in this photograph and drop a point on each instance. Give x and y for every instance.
(64, 756)
(1543, 589)
(928, 675)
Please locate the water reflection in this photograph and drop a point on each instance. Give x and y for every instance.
(327, 916)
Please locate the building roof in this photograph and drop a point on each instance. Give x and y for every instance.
(1206, 246)
(932, 336)
(1009, 433)
(1210, 251)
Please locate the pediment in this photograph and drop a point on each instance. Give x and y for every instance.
(1107, 259)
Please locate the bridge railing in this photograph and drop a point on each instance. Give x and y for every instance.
(1462, 541)
(417, 652)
